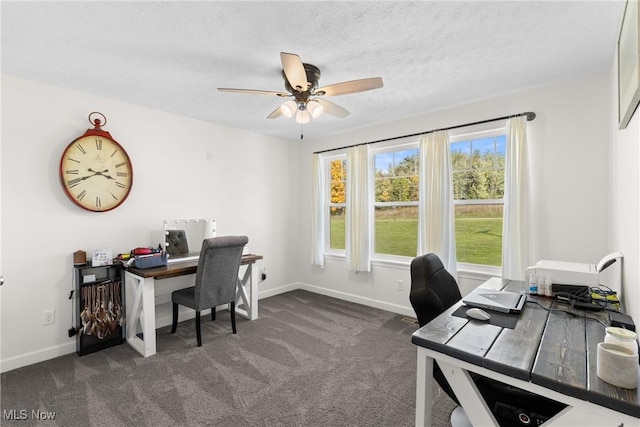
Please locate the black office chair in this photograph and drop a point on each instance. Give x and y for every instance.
(433, 290)
(216, 280)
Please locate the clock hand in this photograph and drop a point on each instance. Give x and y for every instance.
(89, 176)
(101, 173)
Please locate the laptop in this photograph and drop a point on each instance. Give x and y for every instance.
(490, 299)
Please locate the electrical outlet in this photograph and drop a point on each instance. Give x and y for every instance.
(48, 317)
(209, 155)
(400, 285)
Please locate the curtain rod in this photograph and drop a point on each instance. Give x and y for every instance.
(530, 116)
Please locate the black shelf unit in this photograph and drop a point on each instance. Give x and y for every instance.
(99, 306)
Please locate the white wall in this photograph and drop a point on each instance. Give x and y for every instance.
(248, 187)
(625, 195)
(569, 148)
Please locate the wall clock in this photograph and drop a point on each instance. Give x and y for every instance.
(95, 170)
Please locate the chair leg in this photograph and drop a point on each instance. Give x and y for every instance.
(232, 306)
(213, 313)
(174, 322)
(198, 333)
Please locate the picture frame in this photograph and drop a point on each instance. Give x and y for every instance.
(102, 257)
(628, 64)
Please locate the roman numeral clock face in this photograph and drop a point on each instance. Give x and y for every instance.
(96, 173)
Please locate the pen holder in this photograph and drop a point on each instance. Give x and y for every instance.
(617, 365)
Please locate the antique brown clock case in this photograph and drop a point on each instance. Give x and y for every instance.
(95, 170)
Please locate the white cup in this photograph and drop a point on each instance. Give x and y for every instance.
(617, 365)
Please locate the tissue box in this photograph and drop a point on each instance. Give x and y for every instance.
(152, 260)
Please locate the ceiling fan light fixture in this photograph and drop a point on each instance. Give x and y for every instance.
(289, 108)
(301, 84)
(303, 116)
(314, 108)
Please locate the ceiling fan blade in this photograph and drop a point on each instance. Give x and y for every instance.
(294, 70)
(331, 108)
(275, 113)
(352, 86)
(254, 92)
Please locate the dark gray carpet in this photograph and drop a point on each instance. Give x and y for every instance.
(309, 360)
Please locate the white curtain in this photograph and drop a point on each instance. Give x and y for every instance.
(318, 191)
(358, 240)
(436, 227)
(515, 227)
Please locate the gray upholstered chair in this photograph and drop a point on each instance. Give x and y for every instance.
(216, 280)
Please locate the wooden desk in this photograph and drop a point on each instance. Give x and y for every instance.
(552, 354)
(140, 294)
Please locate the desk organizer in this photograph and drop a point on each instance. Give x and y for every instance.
(152, 260)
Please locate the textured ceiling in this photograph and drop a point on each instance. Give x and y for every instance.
(172, 56)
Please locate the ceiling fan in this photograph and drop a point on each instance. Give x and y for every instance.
(301, 82)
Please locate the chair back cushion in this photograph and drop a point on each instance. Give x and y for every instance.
(217, 274)
(177, 242)
(433, 288)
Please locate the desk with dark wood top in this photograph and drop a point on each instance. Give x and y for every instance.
(550, 353)
(140, 294)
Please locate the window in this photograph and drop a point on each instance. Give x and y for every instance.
(478, 161)
(396, 200)
(337, 203)
(478, 186)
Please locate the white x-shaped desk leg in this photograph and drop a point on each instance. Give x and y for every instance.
(141, 314)
(247, 302)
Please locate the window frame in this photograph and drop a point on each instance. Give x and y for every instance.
(495, 129)
(387, 147)
(455, 135)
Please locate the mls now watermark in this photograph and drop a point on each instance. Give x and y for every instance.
(23, 414)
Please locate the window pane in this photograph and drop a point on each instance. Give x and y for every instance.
(396, 176)
(405, 162)
(336, 198)
(383, 164)
(338, 181)
(396, 230)
(336, 228)
(478, 168)
(479, 234)
(478, 174)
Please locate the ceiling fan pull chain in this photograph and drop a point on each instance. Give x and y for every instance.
(301, 131)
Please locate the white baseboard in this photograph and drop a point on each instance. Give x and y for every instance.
(382, 305)
(165, 320)
(38, 356)
(277, 291)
